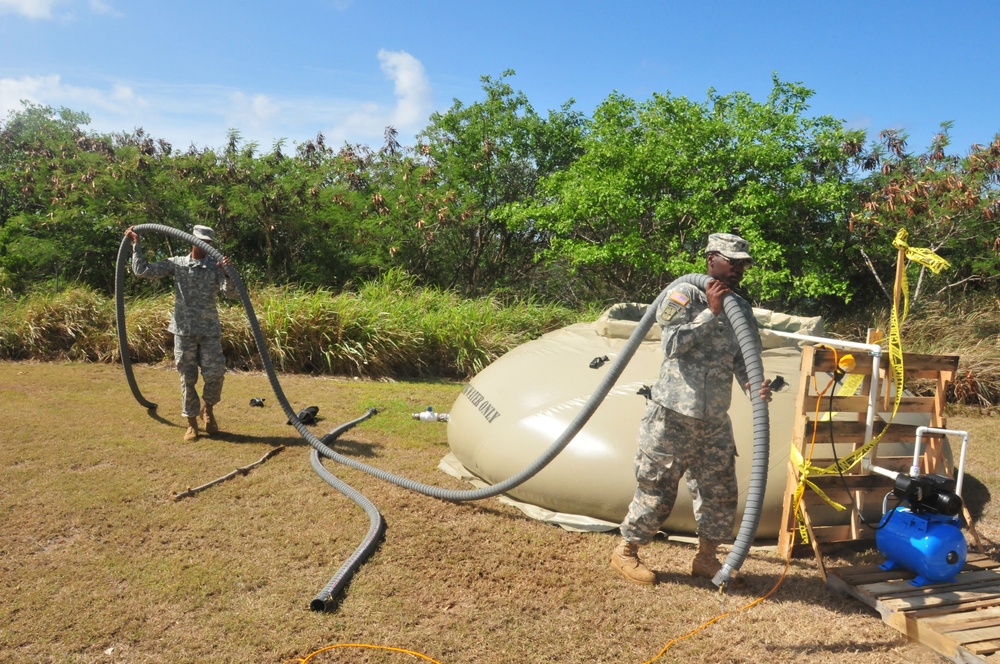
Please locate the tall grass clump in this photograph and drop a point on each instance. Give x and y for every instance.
(969, 328)
(456, 337)
(75, 324)
(390, 327)
(146, 321)
(387, 328)
(323, 332)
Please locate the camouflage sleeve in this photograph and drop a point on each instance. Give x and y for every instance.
(146, 270)
(685, 319)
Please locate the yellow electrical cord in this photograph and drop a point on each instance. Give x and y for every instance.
(305, 660)
(716, 619)
(788, 561)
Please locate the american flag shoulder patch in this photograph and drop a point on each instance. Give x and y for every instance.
(674, 303)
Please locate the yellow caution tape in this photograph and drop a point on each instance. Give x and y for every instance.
(931, 261)
(925, 257)
(850, 386)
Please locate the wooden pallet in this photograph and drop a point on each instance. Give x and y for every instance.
(959, 620)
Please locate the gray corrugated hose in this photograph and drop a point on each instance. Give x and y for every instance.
(749, 346)
(124, 250)
(326, 599)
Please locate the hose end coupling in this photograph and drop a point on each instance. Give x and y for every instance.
(723, 575)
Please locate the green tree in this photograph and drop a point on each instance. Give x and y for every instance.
(657, 177)
(481, 159)
(51, 229)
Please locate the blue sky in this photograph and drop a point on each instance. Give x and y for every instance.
(189, 70)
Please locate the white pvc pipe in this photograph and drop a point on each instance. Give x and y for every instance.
(915, 468)
(885, 472)
(873, 349)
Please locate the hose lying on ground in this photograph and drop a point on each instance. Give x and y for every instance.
(326, 599)
(750, 349)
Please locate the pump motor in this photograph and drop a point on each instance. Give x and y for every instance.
(924, 536)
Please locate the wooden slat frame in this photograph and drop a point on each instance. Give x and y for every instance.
(848, 430)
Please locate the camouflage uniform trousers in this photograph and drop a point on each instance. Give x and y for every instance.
(671, 445)
(190, 353)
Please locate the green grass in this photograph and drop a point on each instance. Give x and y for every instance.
(388, 328)
(100, 564)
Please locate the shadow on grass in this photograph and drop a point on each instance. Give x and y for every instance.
(353, 448)
(153, 414)
(273, 441)
(976, 496)
(346, 447)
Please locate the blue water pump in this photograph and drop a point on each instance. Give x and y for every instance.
(923, 534)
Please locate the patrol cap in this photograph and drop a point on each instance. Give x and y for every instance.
(204, 233)
(729, 245)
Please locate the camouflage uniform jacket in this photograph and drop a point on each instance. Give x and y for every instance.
(701, 355)
(195, 285)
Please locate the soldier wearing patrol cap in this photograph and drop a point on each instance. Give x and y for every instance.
(194, 324)
(686, 431)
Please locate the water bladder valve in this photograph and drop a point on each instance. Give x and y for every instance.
(430, 416)
(924, 534)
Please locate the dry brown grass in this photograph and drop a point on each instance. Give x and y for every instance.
(99, 564)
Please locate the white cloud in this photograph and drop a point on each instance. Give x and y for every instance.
(252, 114)
(46, 9)
(203, 115)
(413, 91)
(29, 8)
(50, 90)
(30, 88)
(102, 7)
(412, 108)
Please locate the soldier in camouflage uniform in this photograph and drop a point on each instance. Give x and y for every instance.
(686, 429)
(195, 323)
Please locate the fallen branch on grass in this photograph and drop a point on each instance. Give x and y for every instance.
(239, 471)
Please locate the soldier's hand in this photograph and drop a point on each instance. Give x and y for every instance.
(715, 291)
(132, 235)
(765, 390)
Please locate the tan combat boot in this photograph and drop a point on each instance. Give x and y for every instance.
(211, 426)
(625, 559)
(192, 430)
(706, 565)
